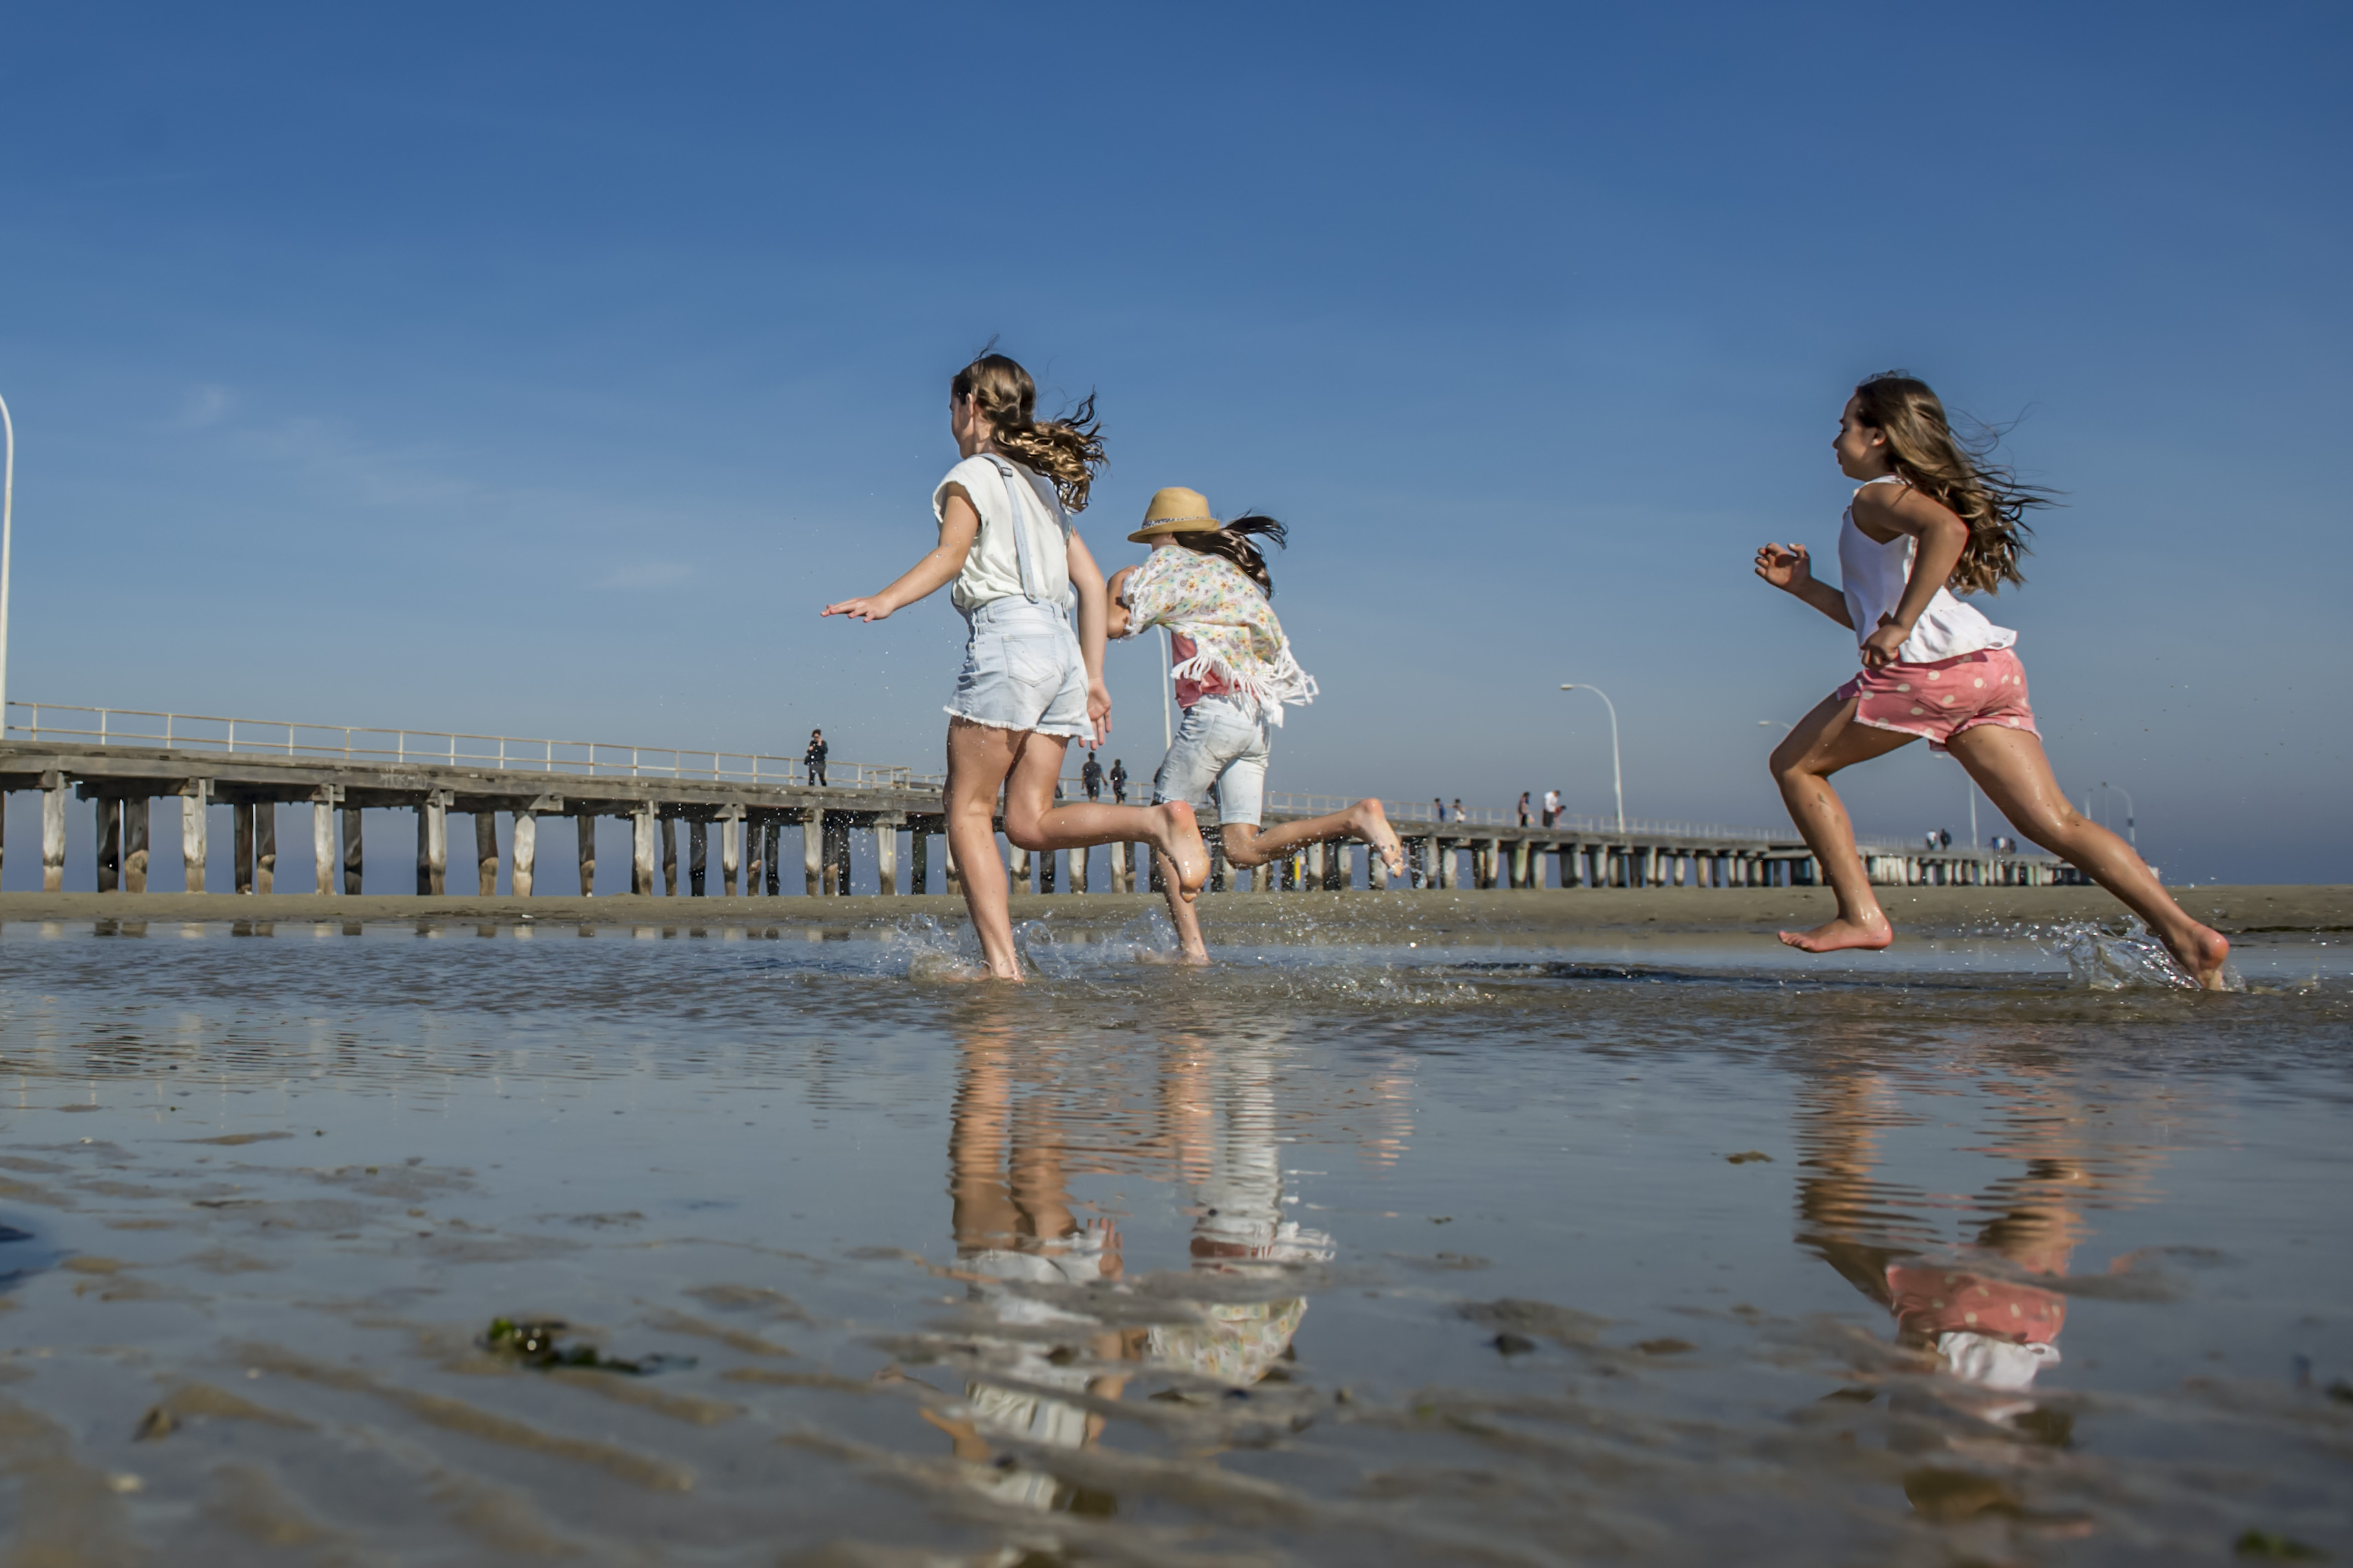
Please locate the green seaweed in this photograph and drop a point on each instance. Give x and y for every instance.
(536, 1342)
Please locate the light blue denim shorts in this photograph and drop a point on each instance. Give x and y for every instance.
(1023, 671)
(1219, 758)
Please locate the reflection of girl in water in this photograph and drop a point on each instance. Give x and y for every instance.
(1027, 1260)
(1967, 1304)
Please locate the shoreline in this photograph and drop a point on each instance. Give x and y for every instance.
(1455, 915)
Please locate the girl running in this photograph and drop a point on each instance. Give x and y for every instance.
(1030, 684)
(1931, 515)
(1234, 671)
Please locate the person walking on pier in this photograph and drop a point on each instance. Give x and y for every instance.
(1118, 782)
(1523, 808)
(1930, 515)
(1234, 673)
(1091, 778)
(1552, 808)
(813, 758)
(1032, 682)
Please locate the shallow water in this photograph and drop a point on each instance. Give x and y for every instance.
(1650, 1250)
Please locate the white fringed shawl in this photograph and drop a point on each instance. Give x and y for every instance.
(1234, 632)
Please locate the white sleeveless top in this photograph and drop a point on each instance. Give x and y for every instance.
(992, 569)
(1873, 576)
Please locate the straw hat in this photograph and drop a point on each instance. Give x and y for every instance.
(1173, 510)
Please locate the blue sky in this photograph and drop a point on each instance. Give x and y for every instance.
(542, 371)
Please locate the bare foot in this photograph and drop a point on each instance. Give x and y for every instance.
(1180, 840)
(2202, 954)
(1368, 822)
(1872, 933)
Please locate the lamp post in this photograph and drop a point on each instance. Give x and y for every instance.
(7, 529)
(2132, 834)
(1617, 773)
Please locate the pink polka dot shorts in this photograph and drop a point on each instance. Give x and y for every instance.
(1940, 700)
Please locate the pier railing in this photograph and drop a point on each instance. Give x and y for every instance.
(214, 733)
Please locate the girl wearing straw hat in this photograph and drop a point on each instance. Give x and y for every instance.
(1031, 681)
(1209, 585)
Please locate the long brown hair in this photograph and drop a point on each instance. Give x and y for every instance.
(1957, 472)
(1067, 451)
(1232, 542)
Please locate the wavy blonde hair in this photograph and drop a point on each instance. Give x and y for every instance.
(1067, 451)
(1958, 473)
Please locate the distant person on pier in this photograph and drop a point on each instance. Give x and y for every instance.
(1437, 808)
(813, 758)
(1091, 778)
(1551, 807)
(1207, 584)
(1118, 782)
(1033, 680)
(1931, 515)
(1458, 810)
(1523, 808)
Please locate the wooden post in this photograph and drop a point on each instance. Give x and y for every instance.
(195, 796)
(1376, 872)
(840, 864)
(698, 856)
(437, 842)
(322, 837)
(919, 859)
(134, 844)
(1017, 868)
(772, 833)
(240, 864)
(1340, 873)
(354, 852)
(731, 849)
(1122, 867)
(486, 852)
(587, 826)
(641, 850)
(886, 853)
(670, 857)
(110, 844)
(813, 850)
(522, 863)
(951, 878)
(1080, 870)
(265, 846)
(1050, 863)
(1494, 861)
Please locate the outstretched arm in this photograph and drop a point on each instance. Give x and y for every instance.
(1789, 568)
(959, 525)
(1089, 581)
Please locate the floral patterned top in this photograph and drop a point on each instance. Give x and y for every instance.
(1235, 636)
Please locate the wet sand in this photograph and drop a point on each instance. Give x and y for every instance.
(1627, 1245)
(1453, 917)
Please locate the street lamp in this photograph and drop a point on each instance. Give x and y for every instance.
(7, 528)
(1617, 773)
(2132, 834)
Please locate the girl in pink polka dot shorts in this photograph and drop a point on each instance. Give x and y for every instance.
(1931, 517)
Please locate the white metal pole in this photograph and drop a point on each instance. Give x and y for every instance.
(1167, 686)
(7, 532)
(1617, 773)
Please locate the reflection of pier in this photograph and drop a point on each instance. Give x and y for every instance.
(125, 761)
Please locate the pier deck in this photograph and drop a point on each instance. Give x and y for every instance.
(123, 764)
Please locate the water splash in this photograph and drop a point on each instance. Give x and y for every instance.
(2098, 959)
(932, 951)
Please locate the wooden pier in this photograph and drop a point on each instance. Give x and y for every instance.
(125, 764)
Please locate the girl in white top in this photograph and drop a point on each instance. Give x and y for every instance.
(1032, 681)
(1931, 516)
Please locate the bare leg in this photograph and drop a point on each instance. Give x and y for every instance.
(1033, 821)
(1825, 740)
(978, 760)
(1182, 913)
(1365, 822)
(2010, 766)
